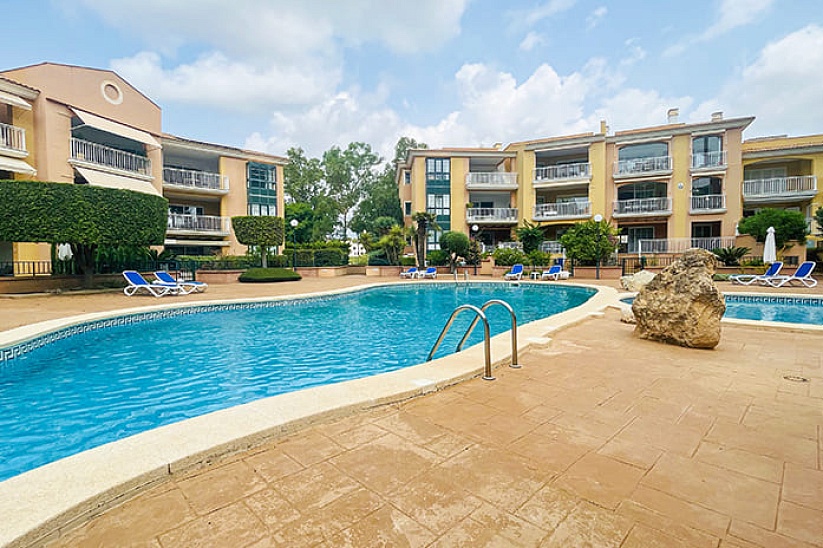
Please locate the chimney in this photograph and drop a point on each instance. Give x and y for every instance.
(673, 114)
(717, 116)
(604, 128)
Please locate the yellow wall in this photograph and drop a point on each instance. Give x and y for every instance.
(733, 181)
(418, 184)
(459, 196)
(235, 202)
(680, 187)
(525, 197)
(601, 182)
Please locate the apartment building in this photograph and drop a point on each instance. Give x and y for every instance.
(667, 188)
(81, 125)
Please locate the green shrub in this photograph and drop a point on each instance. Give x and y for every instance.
(330, 257)
(408, 261)
(265, 275)
(721, 277)
(730, 256)
(504, 256)
(437, 257)
(378, 258)
(362, 260)
(538, 258)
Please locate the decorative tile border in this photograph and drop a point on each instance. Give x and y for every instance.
(767, 299)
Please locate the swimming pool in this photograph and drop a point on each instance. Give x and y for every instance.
(782, 309)
(127, 377)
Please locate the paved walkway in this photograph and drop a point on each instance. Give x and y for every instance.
(599, 440)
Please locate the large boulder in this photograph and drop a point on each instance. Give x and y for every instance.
(637, 281)
(681, 305)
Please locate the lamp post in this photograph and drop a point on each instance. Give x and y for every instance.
(475, 228)
(598, 219)
(294, 224)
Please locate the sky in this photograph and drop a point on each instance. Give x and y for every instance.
(273, 74)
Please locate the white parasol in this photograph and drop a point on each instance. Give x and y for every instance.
(64, 252)
(769, 248)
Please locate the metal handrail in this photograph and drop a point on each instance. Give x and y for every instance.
(487, 373)
(483, 308)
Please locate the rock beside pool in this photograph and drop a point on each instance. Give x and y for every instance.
(681, 305)
(636, 281)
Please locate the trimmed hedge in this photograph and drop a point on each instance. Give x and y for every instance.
(265, 275)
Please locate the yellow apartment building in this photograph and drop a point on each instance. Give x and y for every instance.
(80, 125)
(667, 188)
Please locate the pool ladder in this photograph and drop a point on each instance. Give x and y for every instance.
(480, 314)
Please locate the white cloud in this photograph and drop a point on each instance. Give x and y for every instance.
(531, 41)
(546, 10)
(596, 17)
(779, 87)
(731, 15)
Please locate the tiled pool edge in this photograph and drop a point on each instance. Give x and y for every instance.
(38, 505)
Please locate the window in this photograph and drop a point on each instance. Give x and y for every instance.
(707, 186)
(643, 150)
(406, 177)
(439, 204)
(638, 191)
(438, 169)
(261, 183)
(407, 208)
(706, 230)
(764, 173)
(706, 144)
(177, 209)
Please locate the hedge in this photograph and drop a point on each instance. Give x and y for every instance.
(265, 275)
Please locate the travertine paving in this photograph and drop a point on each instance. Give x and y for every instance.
(599, 440)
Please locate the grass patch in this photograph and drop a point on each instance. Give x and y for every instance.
(266, 275)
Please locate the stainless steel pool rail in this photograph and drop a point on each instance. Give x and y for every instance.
(480, 314)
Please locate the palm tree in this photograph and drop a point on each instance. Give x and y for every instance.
(424, 221)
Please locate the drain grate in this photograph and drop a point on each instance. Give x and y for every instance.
(795, 378)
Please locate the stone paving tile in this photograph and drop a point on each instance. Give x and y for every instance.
(216, 488)
(310, 447)
(670, 526)
(801, 523)
(747, 532)
(233, 525)
(387, 526)
(644, 537)
(601, 480)
(677, 510)
(273, 464)
(588, 525)
(752, 464)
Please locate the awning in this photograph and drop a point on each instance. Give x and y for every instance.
(117, 129)
(109, 180)
(14, 100)
(17, 166)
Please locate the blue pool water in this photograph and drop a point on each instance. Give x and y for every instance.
(95, 387)
(772, 309)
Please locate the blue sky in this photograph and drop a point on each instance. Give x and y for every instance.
(271, 74)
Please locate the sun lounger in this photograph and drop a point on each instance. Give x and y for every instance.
(139, 283)
(185, 287)
(555, 273)
(749, 279)
(410, 274)
(802, 275)
(515, 273)
(430, 273)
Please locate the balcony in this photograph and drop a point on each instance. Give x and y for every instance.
(780, 189)
(709, 161)
(112, 159)
(491, 215)
(643, 207)
(564, 173)
(712, 203)
(193, 180)
(562, 211)
(679, 245)
(491, 180)
(643, 167)
(197, 225)
(13, 141)
(551, 246)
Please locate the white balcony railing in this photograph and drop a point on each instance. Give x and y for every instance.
(12, 138)
(191, 178)
(709, 160)
(561, 210)
(643, 166)
(551, 246)
(101, 155)
(491, 215)
(563, 172)
(643, 206)
(679, 245)
(780, 187)
(491, 179)
(711, 202)
(203, 224)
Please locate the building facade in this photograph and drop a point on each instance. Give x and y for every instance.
(667, 188)
(80, 125)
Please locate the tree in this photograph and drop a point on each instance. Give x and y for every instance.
(456, 244)
(393, 243)
(423, 221)
(315, 220)
(302, 177)
(590, 241)
(262, 231)
(348, 172)
(84, 216)
(818, 218)
(531, 236)
(381, 199)
(404, 144)
(788, 226)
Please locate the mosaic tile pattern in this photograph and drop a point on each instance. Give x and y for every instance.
(789, 301)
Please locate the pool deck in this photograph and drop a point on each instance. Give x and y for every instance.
(600, 439)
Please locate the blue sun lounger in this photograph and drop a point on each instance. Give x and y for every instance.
(139, 283)
(515, 273)
(802, 275)
(185, 287)
(749, 279)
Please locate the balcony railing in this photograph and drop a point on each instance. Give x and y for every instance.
(561, 210)
(101, 155)
(551, 246)
(194, 179)
(780, 187)
(563, 172)
(491, 179)
(13, 138)
(679, 245)
(643, 166)
(491, 215)
(204, 224)
(711, 202)
(643, 206)
(709, 160)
